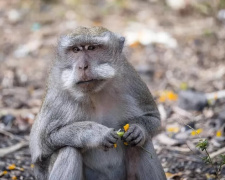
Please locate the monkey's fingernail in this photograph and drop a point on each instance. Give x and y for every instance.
(115, 145)
(126, 127)
(125, 143)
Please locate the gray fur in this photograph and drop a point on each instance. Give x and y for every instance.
(73, 135)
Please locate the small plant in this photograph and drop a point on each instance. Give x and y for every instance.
(222, 162)
(203, 145)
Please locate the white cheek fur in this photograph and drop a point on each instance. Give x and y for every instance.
(67, 78)
(104, 71)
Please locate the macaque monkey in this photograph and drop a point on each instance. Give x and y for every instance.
(92, 92)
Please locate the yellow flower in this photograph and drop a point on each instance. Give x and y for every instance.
(173, 129)
(167, 95)
(172, 96)
(32, 165)
(126, 127)
(218, 133)
(11, 167)
(162, 98)
(115, 145)
(14, 178)
(196, 132)
(3, 173)
(125, 143)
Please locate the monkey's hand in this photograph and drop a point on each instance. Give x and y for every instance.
(109, 139)
(135, 135)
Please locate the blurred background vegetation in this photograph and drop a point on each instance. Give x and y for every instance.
(177, 46)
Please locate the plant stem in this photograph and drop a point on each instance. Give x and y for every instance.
(210, 160)
(146, 151)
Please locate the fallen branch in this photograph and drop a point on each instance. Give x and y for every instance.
(162, 138)
(11, 149)
(182, 112)
(179, 149)
(216, 153)
(12, 136)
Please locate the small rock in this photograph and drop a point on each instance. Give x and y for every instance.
(145, 36)
(14, 16)
(177, 4)
(24, 50)
(192, 100)
(8, 119)
(221, 15)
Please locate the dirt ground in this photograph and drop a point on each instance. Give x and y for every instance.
(174, 48)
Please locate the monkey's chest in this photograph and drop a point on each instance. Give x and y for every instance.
(115, 113)
(111, 118)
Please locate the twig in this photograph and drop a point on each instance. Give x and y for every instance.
(186, 158)
(216, 153)
(147, 151)
(167, 140)
(12, 136)
(182, 112)
(212, 164)
(215, 95)
(11, 149)
(180, 149)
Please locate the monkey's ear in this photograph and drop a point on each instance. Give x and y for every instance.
(121, 43)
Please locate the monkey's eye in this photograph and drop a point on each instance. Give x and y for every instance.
(76, 49)
(91, 48)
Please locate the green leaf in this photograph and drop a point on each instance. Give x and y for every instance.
(202, 144)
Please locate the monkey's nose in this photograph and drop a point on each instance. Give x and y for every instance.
(83, 66)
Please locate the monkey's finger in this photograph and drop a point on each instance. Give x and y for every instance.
(136, 141)
(129, 132)
(105, 148)
(137, 132)
(108, 145)
(115, 135)
(111, 139)
(132, 137)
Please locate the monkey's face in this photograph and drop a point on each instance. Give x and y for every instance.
(86, 70)
(88, 62)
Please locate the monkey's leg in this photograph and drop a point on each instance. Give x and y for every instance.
(68, 165)
(142, 165)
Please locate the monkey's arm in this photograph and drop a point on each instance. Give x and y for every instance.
(46, 139)
(85, 134)
(148, 122)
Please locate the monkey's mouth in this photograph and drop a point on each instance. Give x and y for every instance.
(89, 81)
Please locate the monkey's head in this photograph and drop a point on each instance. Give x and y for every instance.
(88, 58)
